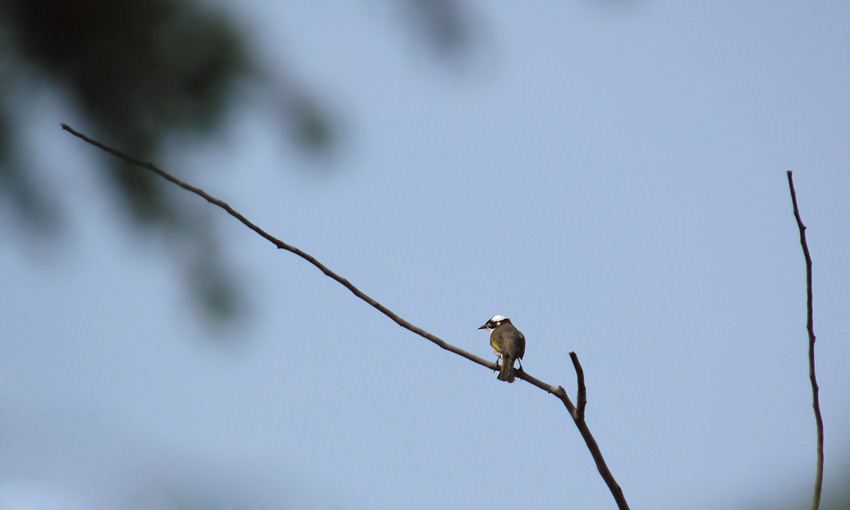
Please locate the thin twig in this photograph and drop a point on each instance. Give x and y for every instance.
(557, 391)
(811, 328)
(581, 394)
(578, 418)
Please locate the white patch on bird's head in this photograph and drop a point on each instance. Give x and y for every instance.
(494, 322)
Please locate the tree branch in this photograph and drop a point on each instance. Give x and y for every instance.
(581, 394)
(811, 328)
(576, 414)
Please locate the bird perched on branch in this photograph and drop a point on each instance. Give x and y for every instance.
(507, 342)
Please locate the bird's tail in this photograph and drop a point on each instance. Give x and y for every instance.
(506, 373)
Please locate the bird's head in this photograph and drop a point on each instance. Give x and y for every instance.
(494, 322)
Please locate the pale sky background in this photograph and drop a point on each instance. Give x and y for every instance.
(610, 175)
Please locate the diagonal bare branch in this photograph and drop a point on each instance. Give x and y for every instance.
(811, 328)
(557, 391)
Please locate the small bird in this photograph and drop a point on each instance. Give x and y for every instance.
(507, 342)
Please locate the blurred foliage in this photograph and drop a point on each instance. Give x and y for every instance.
(835, 496)
(140, 71)
(140, 74)
(444, 23)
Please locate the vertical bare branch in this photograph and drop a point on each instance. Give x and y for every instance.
(811, 328)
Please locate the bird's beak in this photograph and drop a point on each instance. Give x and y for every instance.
(483, 327)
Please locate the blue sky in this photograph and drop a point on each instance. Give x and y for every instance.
(611, 178)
